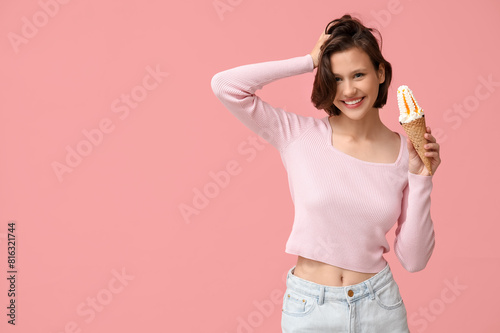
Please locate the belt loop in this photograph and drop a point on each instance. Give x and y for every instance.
(370, 288)
(321, 295)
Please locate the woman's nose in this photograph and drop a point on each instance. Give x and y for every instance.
(349, 89)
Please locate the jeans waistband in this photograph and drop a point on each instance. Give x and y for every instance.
(350, 293)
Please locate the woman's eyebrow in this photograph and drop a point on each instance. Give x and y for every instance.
(354, 71)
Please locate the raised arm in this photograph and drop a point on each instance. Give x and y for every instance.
(414, 242)
(236, 87)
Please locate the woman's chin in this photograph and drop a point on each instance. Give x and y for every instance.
(354, 114)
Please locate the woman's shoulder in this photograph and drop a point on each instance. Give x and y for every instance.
(389, 136)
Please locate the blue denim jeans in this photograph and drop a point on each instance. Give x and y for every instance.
(374, 305)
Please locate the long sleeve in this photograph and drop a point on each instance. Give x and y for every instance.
(414, 242)
(236, 87)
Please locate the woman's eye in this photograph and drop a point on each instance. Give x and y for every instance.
(360, 74)
(337, 79)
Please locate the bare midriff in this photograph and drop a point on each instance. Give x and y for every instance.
(326, 274)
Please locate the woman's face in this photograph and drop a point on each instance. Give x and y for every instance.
(357, 82)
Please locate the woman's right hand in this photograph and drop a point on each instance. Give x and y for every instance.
(317, 48)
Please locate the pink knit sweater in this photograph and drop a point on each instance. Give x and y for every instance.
(344, 206)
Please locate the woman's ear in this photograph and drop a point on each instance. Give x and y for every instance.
(381, 73)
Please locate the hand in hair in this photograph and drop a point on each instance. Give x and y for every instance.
(317, 48)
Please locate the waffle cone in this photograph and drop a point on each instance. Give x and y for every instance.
(415, 130)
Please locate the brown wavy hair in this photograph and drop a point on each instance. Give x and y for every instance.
(347, 32)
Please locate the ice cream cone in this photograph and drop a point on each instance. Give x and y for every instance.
(416, 130)
(411, 117)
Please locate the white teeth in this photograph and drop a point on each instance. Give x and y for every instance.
(353, 102)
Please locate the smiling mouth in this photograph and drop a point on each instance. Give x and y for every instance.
(353, 102)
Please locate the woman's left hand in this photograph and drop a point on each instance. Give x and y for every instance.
(416, 165)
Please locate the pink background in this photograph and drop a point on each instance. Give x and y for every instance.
(220, 267)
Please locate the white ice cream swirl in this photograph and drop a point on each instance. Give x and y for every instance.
(409, 109)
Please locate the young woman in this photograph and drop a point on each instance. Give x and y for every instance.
(351, 178)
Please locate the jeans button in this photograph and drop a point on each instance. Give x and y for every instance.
(350, 293)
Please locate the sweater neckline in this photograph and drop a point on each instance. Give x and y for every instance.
(329, 143)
